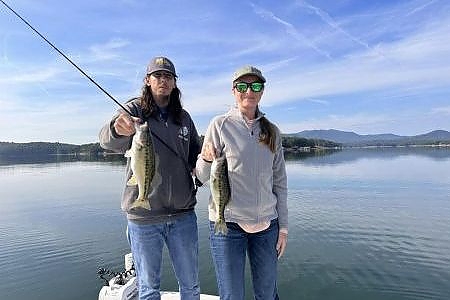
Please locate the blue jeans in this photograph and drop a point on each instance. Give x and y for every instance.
(147, 241)
(229, 252)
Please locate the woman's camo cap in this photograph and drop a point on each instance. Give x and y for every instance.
(248, 70)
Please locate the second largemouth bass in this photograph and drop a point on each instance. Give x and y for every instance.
(220, 192)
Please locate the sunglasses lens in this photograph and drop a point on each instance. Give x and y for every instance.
(241, 87)
(256, 86)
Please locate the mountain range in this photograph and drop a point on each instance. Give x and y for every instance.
(352, 138)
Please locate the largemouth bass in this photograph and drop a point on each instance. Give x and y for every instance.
(220, 192)
(142, 164)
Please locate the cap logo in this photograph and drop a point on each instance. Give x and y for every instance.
(161, 61)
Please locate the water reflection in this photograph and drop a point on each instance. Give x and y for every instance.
(332, 157)
(318, 157)
(43, 159)
(364, 224)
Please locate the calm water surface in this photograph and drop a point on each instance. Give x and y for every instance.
(364, 224)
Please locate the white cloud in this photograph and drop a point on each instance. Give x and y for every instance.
(325, 17)
(443, 110)
(109, 50)
(290, 30)
(419, 8)
(358, 123)
(420, 60)
(31, 76)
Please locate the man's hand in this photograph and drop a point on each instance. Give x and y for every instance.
(124, 124)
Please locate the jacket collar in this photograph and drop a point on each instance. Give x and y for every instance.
(236, 113)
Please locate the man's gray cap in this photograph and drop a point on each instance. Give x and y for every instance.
(161, 63)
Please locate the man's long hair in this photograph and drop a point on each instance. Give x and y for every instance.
(149, 106)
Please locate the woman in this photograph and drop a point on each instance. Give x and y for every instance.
(168, 217)
(256, 215)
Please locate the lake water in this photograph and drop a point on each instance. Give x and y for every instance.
(364, 224)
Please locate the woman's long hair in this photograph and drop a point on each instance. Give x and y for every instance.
(149, 106)
(268, 133)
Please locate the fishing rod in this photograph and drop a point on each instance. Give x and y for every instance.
(68, 59)
(92, 80)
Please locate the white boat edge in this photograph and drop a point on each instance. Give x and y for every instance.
(176, 296)
(127, 289)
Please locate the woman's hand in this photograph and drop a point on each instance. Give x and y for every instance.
(208, 153)
(282, 243)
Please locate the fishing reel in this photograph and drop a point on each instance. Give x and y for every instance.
(122, 285)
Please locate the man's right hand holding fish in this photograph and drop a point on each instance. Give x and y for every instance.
(124, 124)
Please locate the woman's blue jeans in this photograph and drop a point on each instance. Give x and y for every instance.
(229, 253)
(181, 238)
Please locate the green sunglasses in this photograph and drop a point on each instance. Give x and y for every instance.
(256, 87)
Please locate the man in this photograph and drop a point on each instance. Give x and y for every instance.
(170, 219)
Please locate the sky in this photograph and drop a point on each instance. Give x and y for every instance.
(364, 66)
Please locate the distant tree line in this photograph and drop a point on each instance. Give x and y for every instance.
(396, 143)
(44, 148)
(94, 149)
(292, 142)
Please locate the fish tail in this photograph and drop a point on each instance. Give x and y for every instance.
(220, 227)
(141, 202)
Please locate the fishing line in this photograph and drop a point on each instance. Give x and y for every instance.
(92, 80)
(68, 59)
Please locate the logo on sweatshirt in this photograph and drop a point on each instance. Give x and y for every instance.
(183, 133)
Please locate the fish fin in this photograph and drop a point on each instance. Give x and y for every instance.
(220, 227)
(132, 180)
(155, 182)
(143, 203)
